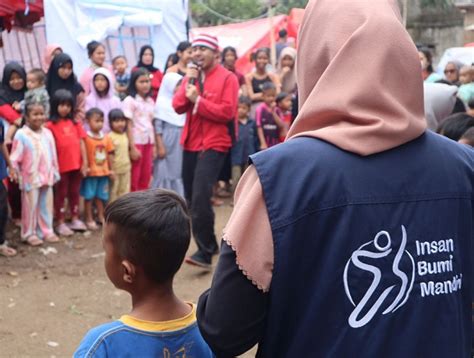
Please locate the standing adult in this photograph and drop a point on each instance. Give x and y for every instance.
(255, 80)
(208, 96)
(61, 76)
(427, 71)
(336, 264)
(229, 58)
(184, 54)
(281, 43)
(168, 165)
(96, 53)
(50, 51)
(451, 72)
(146, 58)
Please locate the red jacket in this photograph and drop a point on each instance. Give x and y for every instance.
(7, 112)
(207, 121)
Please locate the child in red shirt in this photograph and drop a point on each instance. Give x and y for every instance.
(283, 110)
(69, 137)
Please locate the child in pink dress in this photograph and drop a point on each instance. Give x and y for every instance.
(139, 108)
(35, 167)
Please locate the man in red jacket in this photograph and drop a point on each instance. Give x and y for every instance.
(208, 95)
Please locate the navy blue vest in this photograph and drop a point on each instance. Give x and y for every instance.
(372, 254)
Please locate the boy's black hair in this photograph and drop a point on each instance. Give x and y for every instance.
(132, 89)
(152, 230)
(118, 57)
(281, 96)
(39, 74)
(469, 136)
(92, 46)
(282, 33)
(245, 100)
(94, 111)
(268, 85)
(115, 115)
(61, 96)
(183, 46)
(456, 125)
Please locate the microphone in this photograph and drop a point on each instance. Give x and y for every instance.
(192, 80)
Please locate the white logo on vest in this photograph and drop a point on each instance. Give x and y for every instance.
(377, 249)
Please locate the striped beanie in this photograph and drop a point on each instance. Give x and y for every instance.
(205, 40)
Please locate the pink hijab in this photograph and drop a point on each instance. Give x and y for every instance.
(48, 55)
(357, 77)
(360, 89)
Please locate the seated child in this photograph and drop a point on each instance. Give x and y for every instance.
(283, 110)
(122, 77)
(146, 235)
(269, 124)
(100, 153)
(466, 90)
(247, 141)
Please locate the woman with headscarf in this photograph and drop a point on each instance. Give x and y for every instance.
(61, 76)
(96, 53)
(146, 58)
(168, 129)
(336, 264)
(439, 102)
(451, 72)
(50, 51)
(12, 92)
(286, 70)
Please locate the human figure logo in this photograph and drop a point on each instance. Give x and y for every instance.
(389, 289)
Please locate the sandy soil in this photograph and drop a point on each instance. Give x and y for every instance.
(48, 302)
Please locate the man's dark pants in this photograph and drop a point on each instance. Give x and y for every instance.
(200, 173)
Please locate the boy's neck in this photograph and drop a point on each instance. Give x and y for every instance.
(243, 120)
(120, 73)
(158, 304)
(95, 133)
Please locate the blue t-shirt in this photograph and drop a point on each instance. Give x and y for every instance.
(130, 337)
(3, 164)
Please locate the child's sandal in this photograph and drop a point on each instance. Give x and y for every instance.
(7, 251)
(91, 225)
(51, 239)
(34, 240)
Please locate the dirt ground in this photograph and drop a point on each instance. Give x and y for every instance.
(48, 301)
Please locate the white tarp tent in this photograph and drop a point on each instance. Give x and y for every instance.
(74, 23)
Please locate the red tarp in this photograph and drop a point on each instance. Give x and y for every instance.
(250, 35)
(12, 12)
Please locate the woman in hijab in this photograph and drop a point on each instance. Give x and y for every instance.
(286, 70)
(451, 72)
(168, 128)
(146, 59)
(12, 92)
(50, 51)
(61, 76)
(335, 264)
(439, 102)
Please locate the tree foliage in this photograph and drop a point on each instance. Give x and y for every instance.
(216, 12)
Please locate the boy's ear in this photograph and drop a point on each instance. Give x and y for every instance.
(129, 271)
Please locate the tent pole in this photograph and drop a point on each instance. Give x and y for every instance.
(272, 35)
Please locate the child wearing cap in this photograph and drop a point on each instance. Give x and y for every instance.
(146, 235)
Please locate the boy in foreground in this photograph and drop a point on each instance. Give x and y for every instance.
(146, 235)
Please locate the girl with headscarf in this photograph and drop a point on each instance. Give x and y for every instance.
(286, 70)
(96, 53)
(12, 92)
(335, 264)
(61, 76)
(50, 51)
(102, 95)
(146, 58)
(168, 129)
